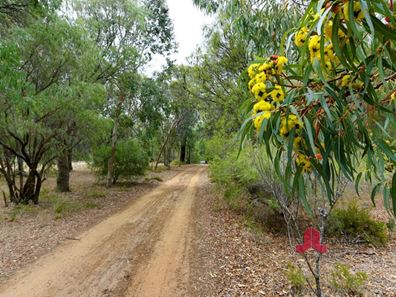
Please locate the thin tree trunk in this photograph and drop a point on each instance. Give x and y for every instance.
(20, 172)
(162, 151)
(189, 153)
(183, 150)
(114, 137)
(29, 187)
(167, 156)
(62, 181)
(174, 125)
(70, 158)
(110, 164)
(38, 188)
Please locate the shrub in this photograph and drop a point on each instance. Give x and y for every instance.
(177, 163)
(244, 186)
(217, 147)
(95, 193)
(64, 206)
(131, 160)
(233, 169)
(356, 224)
(296, 278)
(234, 175)
(391, 224)
(344, 281)
(19, 210)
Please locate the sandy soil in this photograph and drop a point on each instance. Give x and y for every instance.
(32, 231)
(142, 250)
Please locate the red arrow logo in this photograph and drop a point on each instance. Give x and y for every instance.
(311, 240)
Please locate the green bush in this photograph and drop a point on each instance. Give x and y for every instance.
(176, 163)
(131, 160)
(243, 187)
(296, 278)
(233, 169)
(217, 147)
(234, 174)
(344, 281)
(356, 224)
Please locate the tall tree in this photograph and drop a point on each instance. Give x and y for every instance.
(35, 89)
(129, 33)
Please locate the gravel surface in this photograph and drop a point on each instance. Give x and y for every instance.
(33, 231)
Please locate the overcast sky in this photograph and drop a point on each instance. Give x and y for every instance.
(188, 22)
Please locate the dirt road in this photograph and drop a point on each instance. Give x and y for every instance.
(140, 251)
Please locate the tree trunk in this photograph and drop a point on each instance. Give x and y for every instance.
(62, 181)
(29, 187)
(183, 151)
(114, 137)
(163, 148)
(70, 158)
(38, 188)
(189, 154)
(167, 156)
(110, 164)
(20, 172)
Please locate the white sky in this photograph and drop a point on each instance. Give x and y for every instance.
(188, 22)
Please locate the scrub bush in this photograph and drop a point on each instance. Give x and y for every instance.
(131, 160)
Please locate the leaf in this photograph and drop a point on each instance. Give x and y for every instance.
(336, 41)
(387, 32)
(357, 181)
(322, 19)
(326, 108)
(374, 192)
(367, 16)
(242, 133)
(393, 193)
(308, 129)
(302, 194)
(387, 150)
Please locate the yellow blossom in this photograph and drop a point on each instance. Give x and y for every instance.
(315, 17)
(357, 10)
(280, 63)
(328, 65)
(343, 36)
(393, 96)
(329, 52)
(253, 70)
(287, 124)
(301, 36)
(328, 29)
(346, 80)
(297, 142)
(259, 91)
(261, 77)
(358, 85)
(262, 106)
(277, 94)
(267, 68)
(304, 162)
(258, 120)
(251, 84)
(314, 47)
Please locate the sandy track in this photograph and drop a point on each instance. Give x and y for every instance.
(140, 251)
